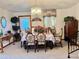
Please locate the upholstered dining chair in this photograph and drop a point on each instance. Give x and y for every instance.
(23, 37)
(41, 38)
(30, 40)
(58, 38)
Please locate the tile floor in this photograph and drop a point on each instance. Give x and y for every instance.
(16, 52)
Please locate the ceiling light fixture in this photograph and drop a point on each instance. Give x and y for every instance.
(36, 10)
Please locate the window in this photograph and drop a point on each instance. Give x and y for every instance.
(25, 23)
(49, 21)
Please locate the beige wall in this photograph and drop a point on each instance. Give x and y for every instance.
(7, 15)
(28, 13)
(59, 19)
(61, 13)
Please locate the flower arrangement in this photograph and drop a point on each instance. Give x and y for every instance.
(39, 29)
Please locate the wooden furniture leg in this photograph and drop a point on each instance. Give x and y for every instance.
(2, 47)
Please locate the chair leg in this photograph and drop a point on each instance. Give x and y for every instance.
(35, 47)
(55, 44)
(13, 40)
(25, 44)
(27, 49)
(61, 44)
(21, 44)
(45, 48)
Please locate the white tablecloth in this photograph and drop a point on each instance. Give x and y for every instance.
(23, 37)
(50, 37)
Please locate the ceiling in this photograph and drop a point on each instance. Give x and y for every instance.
(26, 5)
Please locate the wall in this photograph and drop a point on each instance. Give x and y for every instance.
(28, 13)
(61, 13)
(7, 15)
(21, 13)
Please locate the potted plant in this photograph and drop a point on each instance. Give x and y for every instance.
(68, 18)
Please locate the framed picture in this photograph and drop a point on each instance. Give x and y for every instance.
(3, 22)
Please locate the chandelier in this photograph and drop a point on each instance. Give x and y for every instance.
(36, 10)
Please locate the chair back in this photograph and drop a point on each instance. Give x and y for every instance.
(41, 37)
(30, 38)
(61, 33)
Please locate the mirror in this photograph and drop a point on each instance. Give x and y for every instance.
(3, 22)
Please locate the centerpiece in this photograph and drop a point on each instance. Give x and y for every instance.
(39, 29)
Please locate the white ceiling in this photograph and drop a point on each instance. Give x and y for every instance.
(26, 5)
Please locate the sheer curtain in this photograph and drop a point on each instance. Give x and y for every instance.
(49, 21)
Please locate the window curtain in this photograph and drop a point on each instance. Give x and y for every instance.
(49, 21)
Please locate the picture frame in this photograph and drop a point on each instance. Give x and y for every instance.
(3, 22)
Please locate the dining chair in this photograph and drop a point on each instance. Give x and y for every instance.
(41, 38)
(58, 38)
(30, 40)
